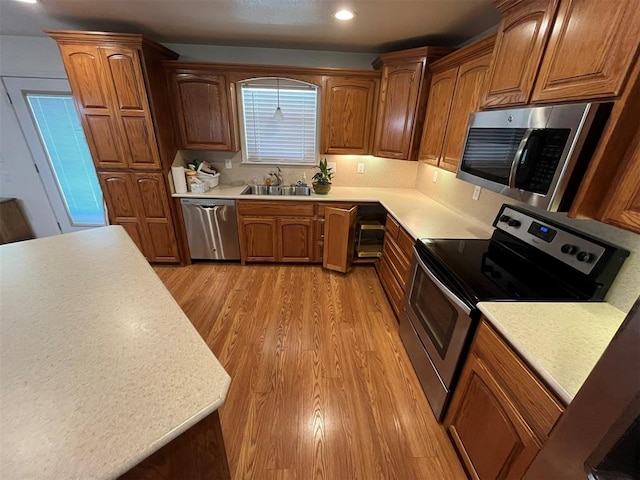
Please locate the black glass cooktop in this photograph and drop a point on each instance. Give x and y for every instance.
(480, 270)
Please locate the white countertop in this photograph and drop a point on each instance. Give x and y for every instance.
(419, 214)
(562, 342)
(99, 366)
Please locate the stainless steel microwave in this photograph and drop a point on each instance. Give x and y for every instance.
(537, 155)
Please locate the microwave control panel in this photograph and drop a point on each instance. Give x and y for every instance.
(549, 237)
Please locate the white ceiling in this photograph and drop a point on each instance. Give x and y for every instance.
(379, 26)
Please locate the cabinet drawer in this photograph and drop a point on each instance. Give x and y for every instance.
(323, 205)
(391, 286)
(277, 209)
(398, 262)
(538, 406)
(392, 227)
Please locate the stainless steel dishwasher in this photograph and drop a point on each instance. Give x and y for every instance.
(212, 228)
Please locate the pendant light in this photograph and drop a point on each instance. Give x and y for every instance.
(278, 115)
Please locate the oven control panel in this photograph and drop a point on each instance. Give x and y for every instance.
(551, 238)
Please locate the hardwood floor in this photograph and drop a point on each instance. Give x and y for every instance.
(321, 385)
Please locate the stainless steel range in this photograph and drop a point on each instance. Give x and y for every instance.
(528, 258)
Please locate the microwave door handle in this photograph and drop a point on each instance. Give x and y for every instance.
(522, 149)
(448, 293)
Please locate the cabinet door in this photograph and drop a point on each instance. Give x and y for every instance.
(122, 205)
(347, 115)
(591, 50)
(339, 236)
(156, 215)
(397, 109)
(204, 113)
(519, 46)
(296, 240)
(258, 239)
(438, 108)
(622, 207)
(470, 88)
(495, 443)
(124, 72)
(92, 97)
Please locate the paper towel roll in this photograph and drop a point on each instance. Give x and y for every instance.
(179, 179)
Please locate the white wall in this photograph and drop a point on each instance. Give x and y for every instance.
(457, 195)
(25, 57)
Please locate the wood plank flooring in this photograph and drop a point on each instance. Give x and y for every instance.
(321, 385)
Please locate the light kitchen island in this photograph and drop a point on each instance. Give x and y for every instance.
(99, 366)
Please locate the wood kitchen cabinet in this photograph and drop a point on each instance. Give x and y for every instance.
(339, 235)
(121, 96)
(139, 202)
(519, 46)
(457, 87)
(437, 116)
(258, 239)
(591, 50)
(272, 231)
(562, 50)
(517, 411)
(110, 95)
(402, 101)
(299, 232)
(393, 269)
(204, 107)
(348, 108)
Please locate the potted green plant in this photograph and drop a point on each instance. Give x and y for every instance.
(321, 181)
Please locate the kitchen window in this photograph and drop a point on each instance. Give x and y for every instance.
(279, 121)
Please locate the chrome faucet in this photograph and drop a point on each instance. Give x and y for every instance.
(278, 176)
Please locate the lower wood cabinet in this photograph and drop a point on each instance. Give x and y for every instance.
(298, 232)
(140, 203)
(395, 262)
(501, 414)
(339, 226)
(277, 231)
(258, 239)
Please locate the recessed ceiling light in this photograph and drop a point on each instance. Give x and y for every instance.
(27, 1)
(344, 14)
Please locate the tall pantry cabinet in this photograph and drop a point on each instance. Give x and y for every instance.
(122, 100)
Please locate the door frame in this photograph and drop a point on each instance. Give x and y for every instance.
(17, 88)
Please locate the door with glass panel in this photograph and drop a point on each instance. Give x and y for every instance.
(51, 126)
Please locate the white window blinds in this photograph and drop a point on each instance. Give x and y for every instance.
(291, 139)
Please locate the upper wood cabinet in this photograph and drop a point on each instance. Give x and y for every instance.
(518, 50)
(518, 412)
(91, 93)
(204, 109)
(610, 190)
(457, 87)
(347, 114)
(592, 47)
(562, 50)
(106, 73)
(470, 88)
(438, 108)
(402, 101)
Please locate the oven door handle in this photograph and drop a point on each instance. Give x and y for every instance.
(448, 293)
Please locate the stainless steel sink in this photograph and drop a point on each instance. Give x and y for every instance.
(276, 190)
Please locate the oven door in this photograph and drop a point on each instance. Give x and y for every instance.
(440, 319)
